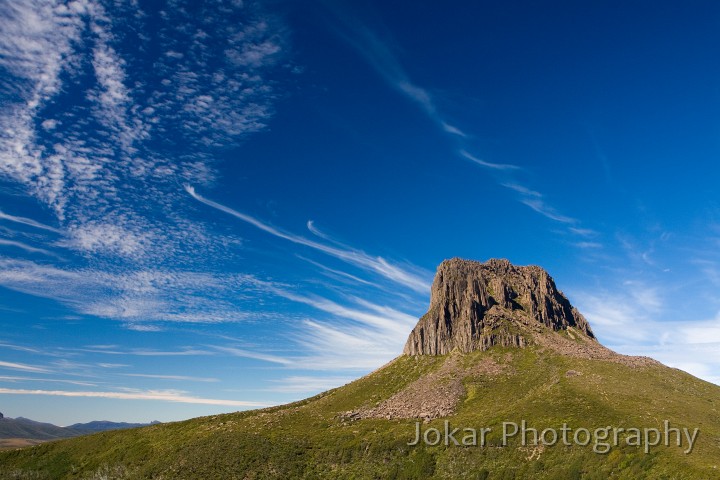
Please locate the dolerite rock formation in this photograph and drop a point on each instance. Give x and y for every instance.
(474, 306)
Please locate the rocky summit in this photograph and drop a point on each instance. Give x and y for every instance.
(475, 305)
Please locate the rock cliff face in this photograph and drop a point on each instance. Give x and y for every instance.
(474, 306)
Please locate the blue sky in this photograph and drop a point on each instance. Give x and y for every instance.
(211, 206)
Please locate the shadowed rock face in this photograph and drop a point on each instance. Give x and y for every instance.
(474, 306)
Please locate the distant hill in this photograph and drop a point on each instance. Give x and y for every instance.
(29, 429)
(103, 425)
(23, 431)
(500, 349)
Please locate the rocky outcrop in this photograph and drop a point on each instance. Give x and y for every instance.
(435, 394)
(474, 306)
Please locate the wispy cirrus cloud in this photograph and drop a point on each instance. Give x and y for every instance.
(143, 327)
(101, 122)
(541, 207)
(583, 232)
(172, 377)
(588, 245)
(338, 273)
(26, 247)
(316, 231)
(523, 190)
(358, 335)
(23, 367)
(176, 396)
(352, 337)
(28, 221)
(483, 163)
(415, 280)
(143, 352)
(386, 320)
(383, 59)
(380, 56)
(139, 297)
(12, 378)
(355, 334)
(245, 353)
(536, 201)
(351, 347)
(91, 117)
(22, 348)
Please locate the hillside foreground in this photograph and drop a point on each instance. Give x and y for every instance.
(327, 436)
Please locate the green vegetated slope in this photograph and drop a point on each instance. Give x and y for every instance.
(316, 438)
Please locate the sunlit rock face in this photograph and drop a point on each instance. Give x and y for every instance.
(474, 306)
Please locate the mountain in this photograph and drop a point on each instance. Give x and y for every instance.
(501, 379)
(19, 432)
(474, 306)
(25, 428)
(103, 425)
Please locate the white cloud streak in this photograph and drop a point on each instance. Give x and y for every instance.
(379, 55)
(337, 346)
(536, 201)
(353, 339)
(239, 352)
(172, 377)
(483, 163)
(26, 247)
(588, 245)
(21, 348)
(28, 221)
(546, 210)
(583, 232)
(23, 367)
(389, 321)
(53, 380)
(155, 395)
(146, 352)
(523, 190)
(338, 273)
(453, 130)
(316, 231)
(143, 327)
(355, 257)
